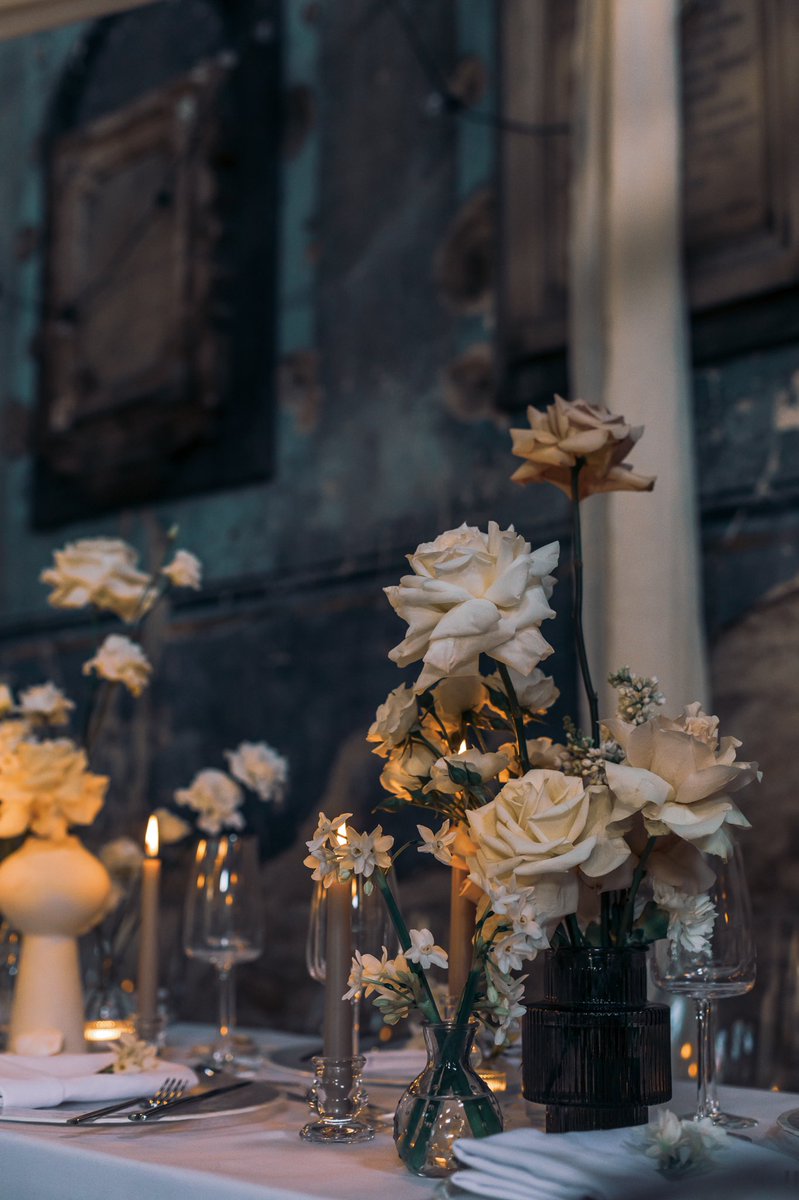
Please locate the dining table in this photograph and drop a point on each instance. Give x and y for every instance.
(257, 1154)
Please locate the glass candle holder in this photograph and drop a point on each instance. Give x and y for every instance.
(338, 1097)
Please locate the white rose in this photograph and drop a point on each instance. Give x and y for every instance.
(474, 593)
(185, 570)
(487, 766)
(537, 692)
(45, 703)
(408, 770)
(680, 783)
(394, 719)
(216, 798)
(171, 827)
(541, 752)
(539, 830)
(46, 787)
(459, 694)
(102, 572)
(260, 768)
(119, 660)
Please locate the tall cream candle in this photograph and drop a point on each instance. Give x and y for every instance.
(147, 982)
(461, 933)
(337, 1039)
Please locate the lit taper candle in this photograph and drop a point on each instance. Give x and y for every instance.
(147, 983)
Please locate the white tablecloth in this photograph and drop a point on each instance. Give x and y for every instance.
(254, 1156)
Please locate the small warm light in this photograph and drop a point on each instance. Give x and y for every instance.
(128, 987)
(775, 1087)
(693, 1070)
(686, 1050)
(497, 1080)
(151, 837)
(341, 834)
(106, 1031)
(462, 746)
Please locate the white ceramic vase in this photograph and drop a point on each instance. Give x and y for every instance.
(51, 892)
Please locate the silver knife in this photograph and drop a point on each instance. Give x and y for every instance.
(148, 1114)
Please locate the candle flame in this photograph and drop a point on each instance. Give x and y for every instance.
(151, 837)
(341, 834)
(462, 746)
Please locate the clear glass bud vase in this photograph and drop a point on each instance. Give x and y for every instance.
(447, 1101)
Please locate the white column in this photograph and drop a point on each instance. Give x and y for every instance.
(628, 344)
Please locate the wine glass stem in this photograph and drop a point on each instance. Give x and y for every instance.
(227, 1013)
(706, 1060)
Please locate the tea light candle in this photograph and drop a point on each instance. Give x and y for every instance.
(147, 982)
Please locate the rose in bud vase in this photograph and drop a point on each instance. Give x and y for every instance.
(588, 849)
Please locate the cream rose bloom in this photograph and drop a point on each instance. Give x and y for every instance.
(216, 798)
(457, 695)
(681, 783)
(47, 787)
(394, 720)
(537, 692)
(45, 704)
(540, 830)
(184, 571)
(567, 431)
(487, 766)
(260, 768)
(474, 593)
(407, 771)
(102, 572)
(119, 660)
(541, 752)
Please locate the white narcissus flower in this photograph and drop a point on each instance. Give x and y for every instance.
(677, 1146)
(539, 830)
(184, 571)
(6, 700)
(691, 919)
(102, 572)
(572, 431)
(323, 863)
(216, 798)
(365, 973)
(171, 827)
(438, 844)
(47, 787)
(327, 830)
(474, 593)
(424, 951)
(681, 783)
(394, 720)
(536, 692)
(260, 768)
(119, 660)
(486, 766)
(45, 704)
(408, 770)
(362, 852)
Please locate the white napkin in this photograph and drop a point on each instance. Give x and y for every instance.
(406, 1063)
(527, 1164)
(32, 1082)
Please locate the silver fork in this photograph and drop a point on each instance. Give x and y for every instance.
(170, 1089)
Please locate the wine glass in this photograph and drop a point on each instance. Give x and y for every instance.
(371, 930)
(726, 967)
(222, 922)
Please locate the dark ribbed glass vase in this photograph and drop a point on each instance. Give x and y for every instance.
(594, 1051)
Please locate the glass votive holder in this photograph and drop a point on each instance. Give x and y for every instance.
(337, 1097)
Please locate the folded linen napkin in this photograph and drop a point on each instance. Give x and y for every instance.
(526, 1164)
(401, 1064)
(32, 1082)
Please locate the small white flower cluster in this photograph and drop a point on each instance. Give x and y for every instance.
(638, 695)
(580, 757)
(217, 798)
(133, 1056)
(337, 852)
(438, 844)
(390, 981)
(691, 918)
(679, 1146)
(512, 935)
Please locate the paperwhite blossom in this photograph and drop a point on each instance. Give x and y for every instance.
(327, 830)
(438, 844)
(424, 951)
(362, 852)
(133, 1056)
(677, 1146)
(324, 863)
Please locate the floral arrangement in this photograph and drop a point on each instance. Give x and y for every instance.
(217, 799)
(599, 840)
(46, 784)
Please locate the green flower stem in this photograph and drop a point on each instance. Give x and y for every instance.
(577, 602)
(577, 939)
(640, 871)
(605, 902)
(478, 737)
(516, 715)
(427, 1002)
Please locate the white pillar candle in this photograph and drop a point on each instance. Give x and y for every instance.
(337, 1039)
(147, 983)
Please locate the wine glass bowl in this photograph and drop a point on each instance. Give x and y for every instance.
(222, 921)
